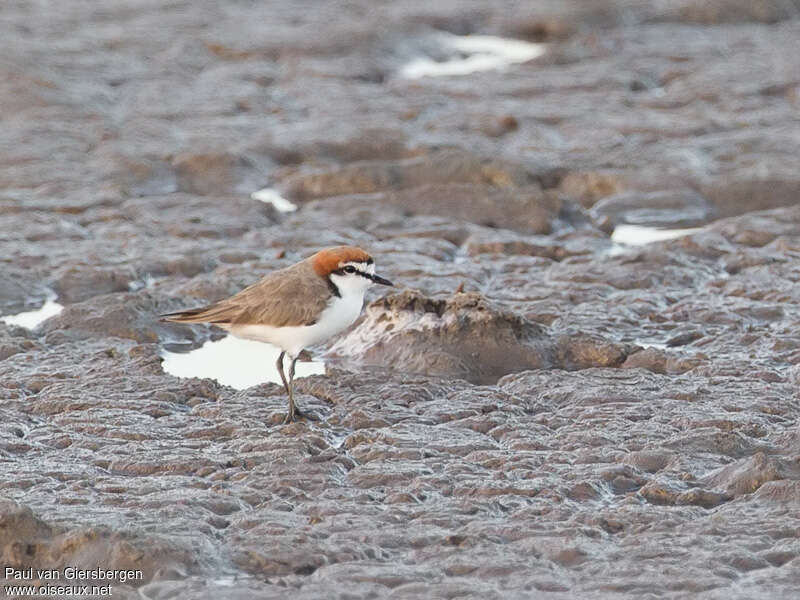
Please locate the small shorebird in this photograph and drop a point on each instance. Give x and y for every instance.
(295, 307)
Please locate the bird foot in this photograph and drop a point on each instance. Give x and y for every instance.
(297, 414)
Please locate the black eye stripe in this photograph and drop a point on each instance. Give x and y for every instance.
(345, 271)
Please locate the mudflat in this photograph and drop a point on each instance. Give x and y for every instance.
(538, 412)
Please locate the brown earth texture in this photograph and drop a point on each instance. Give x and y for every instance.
(535, 411)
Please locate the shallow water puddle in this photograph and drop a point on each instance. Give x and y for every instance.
(238, 363)
(638, 235)
(271, 196)
(645, 343)
(478, 53)
(32, 318)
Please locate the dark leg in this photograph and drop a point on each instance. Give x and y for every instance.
(290, 415)
(279, 365)
(295, 412)
(291, 370)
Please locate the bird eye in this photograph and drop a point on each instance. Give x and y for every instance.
(349, 269)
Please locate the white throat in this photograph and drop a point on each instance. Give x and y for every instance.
(351, 286)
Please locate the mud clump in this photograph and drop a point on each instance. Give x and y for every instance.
(28, 542)
(438, 167)
(80, 283)
(463, 336)
(660, 361)
(526, 209)
(747, 475)
(449, 183)
(131, 316)
(213, 173)
(466, 336)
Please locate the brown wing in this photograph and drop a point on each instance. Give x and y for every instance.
(287, 297)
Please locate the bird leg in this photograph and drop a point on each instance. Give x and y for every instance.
(291, 370)
(287, 386)
(294, 412)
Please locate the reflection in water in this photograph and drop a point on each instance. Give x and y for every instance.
(478, 53)
(271, 196)
(637, 235)
(234, 362)
(32, 318)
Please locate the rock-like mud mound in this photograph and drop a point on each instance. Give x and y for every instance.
(463, 336)
(467, 337)
(29, 544)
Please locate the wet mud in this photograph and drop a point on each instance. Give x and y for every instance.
(537, 412)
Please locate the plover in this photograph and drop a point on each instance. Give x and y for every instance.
(295, 307)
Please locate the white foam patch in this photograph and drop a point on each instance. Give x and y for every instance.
(235, 362)
(271, 196)
(638, 235)
(32, 318)
(480, 53)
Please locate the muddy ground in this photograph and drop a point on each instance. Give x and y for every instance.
(536, 412)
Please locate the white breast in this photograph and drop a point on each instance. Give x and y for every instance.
(338, 316)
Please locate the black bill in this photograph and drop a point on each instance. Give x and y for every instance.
(379, 279)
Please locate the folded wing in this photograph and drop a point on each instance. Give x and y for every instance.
(288, 297)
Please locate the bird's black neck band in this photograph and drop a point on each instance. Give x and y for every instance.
(333, 288)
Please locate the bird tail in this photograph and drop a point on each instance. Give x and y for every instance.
(205, 314)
